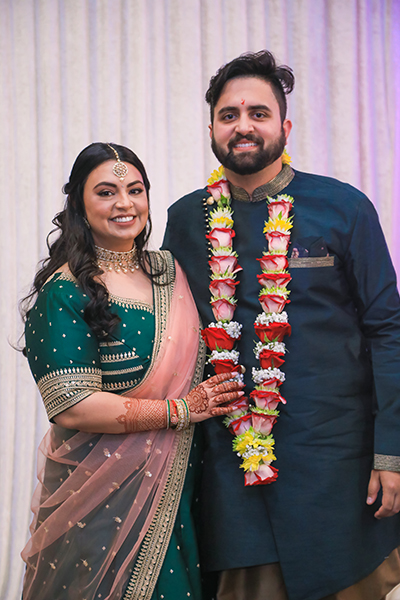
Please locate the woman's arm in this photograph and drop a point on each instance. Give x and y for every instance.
(104, 412)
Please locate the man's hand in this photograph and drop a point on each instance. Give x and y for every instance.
(390, 483)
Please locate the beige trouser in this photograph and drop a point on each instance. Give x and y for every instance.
(265, 582)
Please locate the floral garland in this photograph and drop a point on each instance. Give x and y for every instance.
(251, 425)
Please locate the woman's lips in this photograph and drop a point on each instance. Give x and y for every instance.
(123, 219)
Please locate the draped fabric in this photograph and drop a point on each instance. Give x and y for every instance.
(137, 477)
(135, 72)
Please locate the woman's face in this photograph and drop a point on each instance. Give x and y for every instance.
(117, 211)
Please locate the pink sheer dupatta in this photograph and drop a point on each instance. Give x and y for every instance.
(100, 496)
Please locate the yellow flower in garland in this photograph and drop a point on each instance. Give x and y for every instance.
(241, 442)
(216, 175)
(286, 160)
(267, 443)
(281, 225)
(221, 217)
(252, 439)
(222, 222)
(253, 462)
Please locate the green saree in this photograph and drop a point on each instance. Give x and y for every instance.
(112, 513)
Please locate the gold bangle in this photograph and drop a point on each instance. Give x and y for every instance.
(181, 415)
(187, 411)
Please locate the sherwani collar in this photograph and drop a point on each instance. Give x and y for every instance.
(271, 188)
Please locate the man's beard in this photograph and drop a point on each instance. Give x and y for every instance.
(247, 163)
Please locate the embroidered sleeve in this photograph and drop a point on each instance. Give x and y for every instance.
(63, 352)
(383, 462)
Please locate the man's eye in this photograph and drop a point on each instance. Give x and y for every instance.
(229, 117)
(259, 115)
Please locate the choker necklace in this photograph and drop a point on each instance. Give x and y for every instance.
(117, 261)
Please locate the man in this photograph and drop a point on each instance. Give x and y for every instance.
(329, 527)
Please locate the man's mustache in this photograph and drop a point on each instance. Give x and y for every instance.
(240, 138)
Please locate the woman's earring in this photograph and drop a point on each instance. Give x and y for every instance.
(86, 222)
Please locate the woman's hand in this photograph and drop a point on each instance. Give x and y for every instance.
(205, 400)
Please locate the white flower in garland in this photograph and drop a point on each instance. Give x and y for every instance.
(232, 355)
(278, 347)
(266, 319)
(221, 217)
(260, 376)
(222, 251)
(233, 329)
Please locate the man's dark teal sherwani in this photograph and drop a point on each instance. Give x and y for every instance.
(342, 388)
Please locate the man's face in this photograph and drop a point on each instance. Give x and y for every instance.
(247, 134)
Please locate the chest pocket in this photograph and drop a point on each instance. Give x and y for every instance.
(311, 262)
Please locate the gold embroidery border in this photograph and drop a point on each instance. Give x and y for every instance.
(161, 260)
(201, 360)
(63, 388)
(121, 385)
(123, 371)
(156, 541)
(65, 276)
(130, 303)
(386, 462)
(115, 358)
(311, 262)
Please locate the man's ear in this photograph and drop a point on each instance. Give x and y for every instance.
(287, 128)
(210, 130)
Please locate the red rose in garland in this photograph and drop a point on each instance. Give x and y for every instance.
(278, 241)
(224, 265)
(264, 474)
(262, 422)
(272, 327)
(266, 399)
(268, 359)
(273, 302)
(273, 263)
(271, 280)
(280, 207)
(223, 308)
(217, 337)
(223, 287)
(221, 237)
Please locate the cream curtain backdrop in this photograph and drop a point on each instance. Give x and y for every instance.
(135, 72)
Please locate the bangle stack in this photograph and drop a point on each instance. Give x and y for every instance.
(178, 415)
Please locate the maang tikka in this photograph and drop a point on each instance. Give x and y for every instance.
(119, 169)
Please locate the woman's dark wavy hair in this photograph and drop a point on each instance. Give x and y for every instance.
(75, 244)
(253, 64)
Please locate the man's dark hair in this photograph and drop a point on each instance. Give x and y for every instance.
(253, 64)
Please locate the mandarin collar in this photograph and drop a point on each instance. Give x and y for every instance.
(271, 188)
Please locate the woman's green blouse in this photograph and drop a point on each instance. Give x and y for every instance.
(66, 358)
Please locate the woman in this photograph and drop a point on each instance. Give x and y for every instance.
(113, 343)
